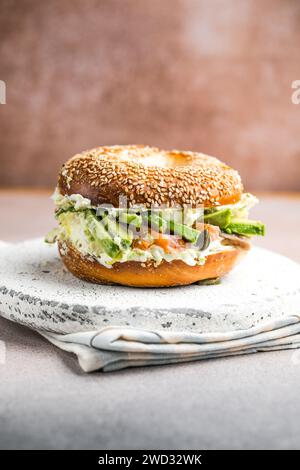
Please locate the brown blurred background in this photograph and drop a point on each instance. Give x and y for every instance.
(208, 75)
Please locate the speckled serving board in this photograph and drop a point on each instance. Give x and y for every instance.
(36, 290)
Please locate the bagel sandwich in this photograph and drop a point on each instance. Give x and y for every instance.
(139, 216)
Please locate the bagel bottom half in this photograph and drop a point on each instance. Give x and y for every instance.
(132, 273)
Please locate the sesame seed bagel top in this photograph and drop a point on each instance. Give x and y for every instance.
(149, 176)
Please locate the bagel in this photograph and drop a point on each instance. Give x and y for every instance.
(166, 274)
(149, 176)
(99, 244)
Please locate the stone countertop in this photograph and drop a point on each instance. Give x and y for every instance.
(239, 402)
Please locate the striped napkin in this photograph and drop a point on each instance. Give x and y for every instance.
(115, 348)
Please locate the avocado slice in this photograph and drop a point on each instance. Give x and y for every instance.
(220, 218)
(187, 233)
(184, 231)
(102, 236)
(130, 219)
(120, 235)
(245, 227)
(63, 211)
(209, 282)
(157, 221)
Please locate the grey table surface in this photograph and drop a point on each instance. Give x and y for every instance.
(236, 403)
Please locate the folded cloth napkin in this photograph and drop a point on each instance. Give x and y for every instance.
(115, 348)
(256, 308)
